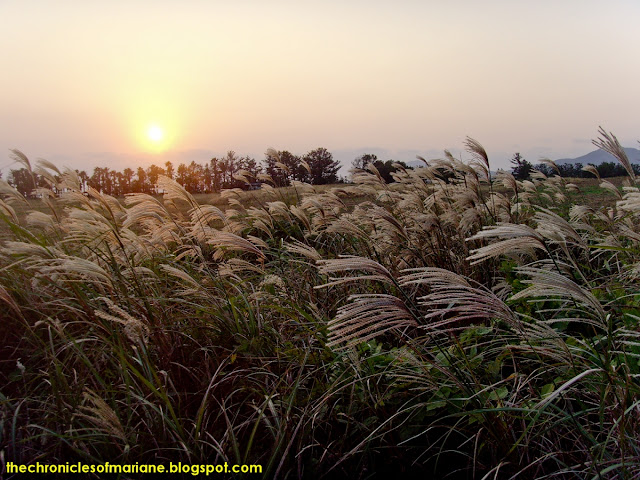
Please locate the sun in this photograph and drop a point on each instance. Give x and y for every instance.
(155, 134)
(155, 138)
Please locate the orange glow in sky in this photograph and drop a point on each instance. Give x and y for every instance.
(86, 81)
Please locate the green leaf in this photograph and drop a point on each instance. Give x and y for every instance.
(499, 394)
(546, 390)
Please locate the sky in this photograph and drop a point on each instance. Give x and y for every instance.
(85, 84)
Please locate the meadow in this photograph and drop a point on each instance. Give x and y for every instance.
(450, 325)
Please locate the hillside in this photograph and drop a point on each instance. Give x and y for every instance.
(600, 156)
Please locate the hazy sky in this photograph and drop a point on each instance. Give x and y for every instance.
(82, 82)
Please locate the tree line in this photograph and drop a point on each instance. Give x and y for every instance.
(317, 167)
(522, 168)
(605, 169)
(279, 168)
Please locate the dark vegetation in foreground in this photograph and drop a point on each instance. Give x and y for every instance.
(461, 328)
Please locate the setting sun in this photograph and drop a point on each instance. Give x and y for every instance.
(155, 138)
(155, 133)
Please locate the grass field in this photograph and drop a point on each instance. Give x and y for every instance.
(459, 330)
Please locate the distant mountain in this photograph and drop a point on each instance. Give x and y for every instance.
(599, 156)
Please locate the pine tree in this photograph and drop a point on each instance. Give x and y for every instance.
(521, 169)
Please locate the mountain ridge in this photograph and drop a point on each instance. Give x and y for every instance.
(600, 156)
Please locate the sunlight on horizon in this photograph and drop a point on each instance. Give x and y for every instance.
(348, 76)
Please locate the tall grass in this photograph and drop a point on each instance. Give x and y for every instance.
(445, 323)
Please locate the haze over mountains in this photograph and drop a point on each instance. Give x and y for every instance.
(600, 156)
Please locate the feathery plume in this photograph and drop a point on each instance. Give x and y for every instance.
(518, 239)
(477, 150)
(592, 170)
(296, 246)
(353, 263)
(551, 285)
(229, 241)
(12, 194)
(366, 317)
(17, 156)
(135, 329)
(98, 412)
(610, 144)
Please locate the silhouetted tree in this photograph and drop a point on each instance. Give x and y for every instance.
(195, 178)
(168, 168)
(521, 169)
(324, 169)
(294, 170)
(127, 180)
(23, 181)
(216, 181)
(228, 166)
(153, 172)
(207, 179)
(250, 165)
(112, 182)
(363, 160)
(279, 175)
(84, 179)
(141, 185)
(182, 174)
(544, 168)
(387, 168)
(98, 179)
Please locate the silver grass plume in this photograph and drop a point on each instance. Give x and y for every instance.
(630, 201)
(205, 214)
(9, 301)
(610, 144)
(71, 269)
(17, 156)
(301, 215)
(174, 191)
(347, 263)
(229, 241)
(479, 153)
(347, 224)
(142, 205)
(518, 239)
(551, 164)
(234, 266)
(8, 211)
(135, 329)
(41, 220)
(547, 284)
(555, 228)
(11, 194)
(453, 298)
(302, 249)
(607, 185)
(70, 180)
(366, 316)
(101, 415)
(42, 168)
(592, 170)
